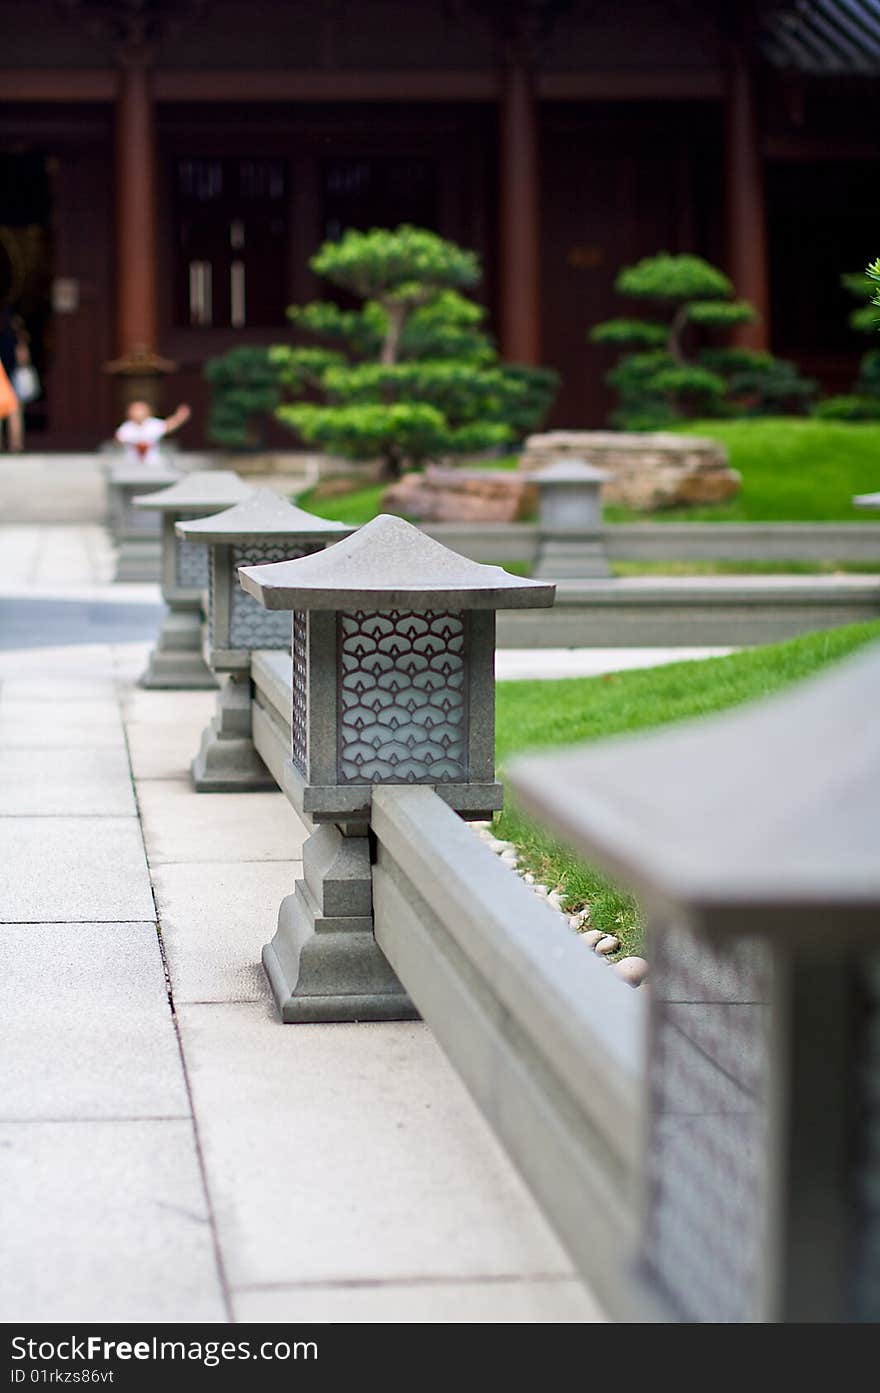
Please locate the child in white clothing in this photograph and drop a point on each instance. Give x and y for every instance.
(141, 432)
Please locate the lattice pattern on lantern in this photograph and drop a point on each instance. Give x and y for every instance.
(299, 720)
(403, 715)
(250, 624)
(867, 1176)
(192, 565)
(706, 1217)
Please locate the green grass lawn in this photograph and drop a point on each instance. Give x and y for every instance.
(534, 715)
(794, 470)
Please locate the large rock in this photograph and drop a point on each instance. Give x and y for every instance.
(648, 471)
(444, 494)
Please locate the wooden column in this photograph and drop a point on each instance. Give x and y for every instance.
(136, 235)
(519, 194)
(746, 222)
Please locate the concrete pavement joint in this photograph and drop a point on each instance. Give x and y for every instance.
(197, 1142)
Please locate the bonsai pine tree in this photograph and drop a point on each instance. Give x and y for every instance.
(665, 375)
(863, 402)
(244, 391)
(410, 374)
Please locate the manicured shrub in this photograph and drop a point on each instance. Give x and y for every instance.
(863, 402)
(667, 374)
(244, 392)
(411, 373)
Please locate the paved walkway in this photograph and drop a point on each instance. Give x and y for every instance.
(168, 1151)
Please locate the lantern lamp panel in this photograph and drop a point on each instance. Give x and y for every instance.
(250, 624)
(300, 716)
(403, 698)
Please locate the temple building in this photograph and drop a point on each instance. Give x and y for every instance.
(168, 167)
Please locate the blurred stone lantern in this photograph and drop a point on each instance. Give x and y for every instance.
(570, 529)
(137, 533)
(750, 839)
(176, 660)
(264, 528)
(393, 683)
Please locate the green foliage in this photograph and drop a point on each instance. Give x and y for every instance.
(410, 374)
(659, 386)
(407, 266)
(721, 314)
(848, 407)
(408, 428)
(863, 402)
(759, 384)
(635, 333)
(665, 277)
(683, 381)
(245, 389)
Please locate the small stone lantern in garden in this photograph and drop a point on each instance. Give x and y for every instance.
(570, 530)
(263, 529)
(176, 660)
(136, 532)
(393, 683)
(750, 839)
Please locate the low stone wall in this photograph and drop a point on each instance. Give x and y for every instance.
(648, 471)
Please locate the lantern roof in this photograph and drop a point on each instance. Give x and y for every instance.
(569, 471)
(760, 820)
(121, 472)
(203, 488)
(388, 563)
(264, 513)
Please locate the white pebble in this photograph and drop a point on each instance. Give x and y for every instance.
(510, 856)
(528, 878)
(542, 890)
(592, 937)
(632, 970)
(578, 920)
(479, 826)
(607, 944)
(498, 846)
(555, 899)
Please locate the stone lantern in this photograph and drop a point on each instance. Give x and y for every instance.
(137, 533)
(264, 528)
(570, 529)
(176, 660)
(393, 683)
(750, 839)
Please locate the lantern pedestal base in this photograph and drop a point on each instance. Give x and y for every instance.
(177, 660)
(227, 761)
(138, 559)
(324, 963)
(578, 557)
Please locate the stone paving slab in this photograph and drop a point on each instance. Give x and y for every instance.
(104, 1221)
(561, 1301)
(351, 1152)
(75, 782)
(87, 1008)
(90, 724)
(215, 919)
(66, 869)
(180, 825)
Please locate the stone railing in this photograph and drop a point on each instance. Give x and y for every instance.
(712, 1156)
(709, 1149)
